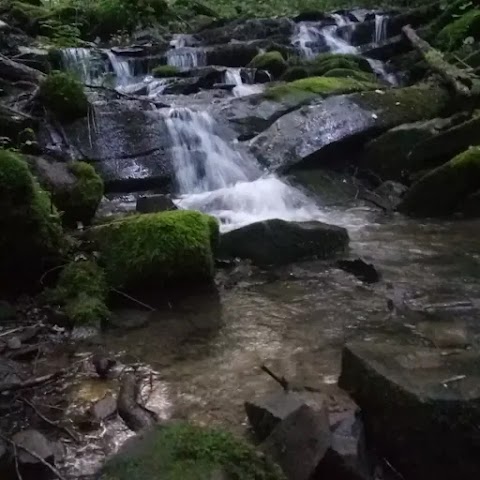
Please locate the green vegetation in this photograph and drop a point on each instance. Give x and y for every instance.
(442, 190)
(63, 95)
(273, 62)
(348, 73)
(455, 33)
(165, 71)
(81, 291)
(324, 86)
(329, 61)
(30, 229)
(181, 451)
(294, 73)
(158, 247)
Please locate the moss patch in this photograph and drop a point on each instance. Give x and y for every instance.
(294, 73)
(349, 73)
(454, 34)
(329, 61)
(165, 71)
(273, 62)
(443, 189)
(158, 248)
(181, 451)
(81, 291)
(63, 95)
(324, 86)
(30, 230)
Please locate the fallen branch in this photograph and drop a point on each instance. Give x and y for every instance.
(463, 83)
(281, 380)
(15, 71)
(123, 294)
(47, 420)
(31, 382)
(34, 455)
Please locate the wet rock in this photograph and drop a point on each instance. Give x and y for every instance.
(7, 311)
(445, 334)
(13, 122)
(471, 205)
(328, 131)
(103, 365)
(276, 242)
(359, 268)
(34, 57)
(128, 51)
(386, 50)
(420, 407)
(232, 55)
(391, 192)
(155, 203)
(30, 467)
(299, 442)
(14, 343)
(104, 408)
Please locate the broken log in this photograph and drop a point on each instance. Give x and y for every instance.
(463, 83)
(15, 71)
(135, 416)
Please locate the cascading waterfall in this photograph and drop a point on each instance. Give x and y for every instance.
(83, 63)
(381, 24)
(122, 68)
(214, 177)
(233, 76)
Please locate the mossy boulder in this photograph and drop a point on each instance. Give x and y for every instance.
(63, 95)
(158, 248)
(30, 229)
(454, 34)
(349, 73)
(82, 291)
(441, 191)
(294, 73)
(273, 62)
(322, 86)
(329, 61)
(165, 71)
(181, 451)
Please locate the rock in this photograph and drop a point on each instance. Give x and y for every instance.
(391, 192)
(348, 457)
(13, 122)
(104, 408)
(443, 190)
(326, 131)
(388, 156)
(194, 451)
(281, 242)
(128, 51)
(7, 311)
(273, 62)
(299, 442)
(30, 467)
(471, 205)
(417, 403)
(34, 58)
(445, 334)
(232, 54)
(158, 248)
(155, 203)
(103, 365)
(14, 343)
(361, 269)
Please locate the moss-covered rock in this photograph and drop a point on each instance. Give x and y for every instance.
(63, 95)
(294, 73)
(454, 34)
(165, 71)
(323, 86)
(329, 61)
(181, 451)
(30, 229)
(82, 291)
(349, 73)
(442, 190)
(158, 248)
(273, 62)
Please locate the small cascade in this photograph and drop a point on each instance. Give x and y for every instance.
(215, 178)
(84, 63)
(381, 24)
(122, 68)
(233, 76)
(184, 54)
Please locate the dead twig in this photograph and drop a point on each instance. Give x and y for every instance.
(123, 294)
(9, 332)
(31, 382)
(47, 420)
(34, 455)
(281, 380)
(17, 469)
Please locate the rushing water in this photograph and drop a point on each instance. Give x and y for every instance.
(381, 24)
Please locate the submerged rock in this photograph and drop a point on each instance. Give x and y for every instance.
(329, 131)
(361, 269)
(276, 242)
(191, 452)
(155, 203)
(420, 407)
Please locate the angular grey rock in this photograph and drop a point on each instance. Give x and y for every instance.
(155, 203)
(104, 408)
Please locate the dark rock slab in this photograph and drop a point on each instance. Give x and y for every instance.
(231, 54)
(276, 242)
(360, 269)
(330, 132)
(104, 408)
(155, 203)
(420, 407)
(299, 442)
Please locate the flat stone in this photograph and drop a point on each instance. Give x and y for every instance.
(299, 442)
(104, 408)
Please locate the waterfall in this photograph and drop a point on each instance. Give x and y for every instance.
(305, 36)
(83, 63)
(233, 76)
(214, 177)
(187, 57)
(122, 68)
(381, 23)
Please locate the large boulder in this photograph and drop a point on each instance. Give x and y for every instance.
(180, 450)
(329, 131)
(443, 190)
(276, 242)
(231, 54)
(420, 407)
(158, 248)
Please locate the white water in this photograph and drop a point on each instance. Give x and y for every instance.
(214, 177)
(80, 61)
(122, 68)
(187, 57)
(381, 23)
(233, 77)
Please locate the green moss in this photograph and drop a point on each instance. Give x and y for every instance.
(324, 86)
(329, 61)
(294, 73)
(443, 189)
(63, 94)
(349, 73)
(82, 290)
(30, 229)
(182, 451)
(454, 34)
(158, 247)
(273, 62)
(165, 71)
